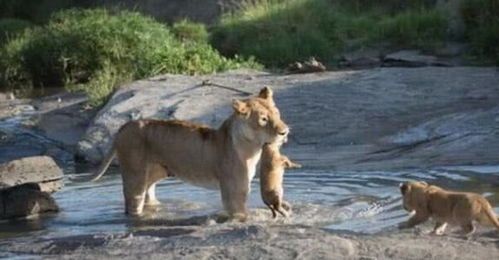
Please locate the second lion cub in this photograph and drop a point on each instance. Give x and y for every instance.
(272, 167)
(458, 208)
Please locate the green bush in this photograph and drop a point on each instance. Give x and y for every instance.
(481, 18)
(279, 32)
(95, 50)
(190, 31)
(390, 6)
(421, 28)
(11, 27)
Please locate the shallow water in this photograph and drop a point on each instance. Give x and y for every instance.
(348, 201)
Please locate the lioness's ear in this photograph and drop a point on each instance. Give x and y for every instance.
(265, 93)
(240, 106)
(424, 183)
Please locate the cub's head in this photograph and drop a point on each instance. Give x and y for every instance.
(260, 120)
(413, 195)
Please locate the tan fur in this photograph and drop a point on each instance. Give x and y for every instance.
(272, 167)
(455, 208)
(223, 158)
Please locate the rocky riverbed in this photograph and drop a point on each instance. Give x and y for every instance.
(271, 240)
(378, 119)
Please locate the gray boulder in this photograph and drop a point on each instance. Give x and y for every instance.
(26, 184)
(41, 171)
(25, 200)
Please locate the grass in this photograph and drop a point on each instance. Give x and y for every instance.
(190, 31)
(95, 51)
(12, 27)
(280, 32)
(481, 18)
(420, 28)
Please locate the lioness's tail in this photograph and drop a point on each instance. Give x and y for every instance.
(104, 164)
(492, 216)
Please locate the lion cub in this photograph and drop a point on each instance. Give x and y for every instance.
(456, 208)
(272, 167)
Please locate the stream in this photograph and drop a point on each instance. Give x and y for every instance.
(357, 201)
(365, 202)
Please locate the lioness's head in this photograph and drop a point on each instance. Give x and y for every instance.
(261, 120)
(413, 194)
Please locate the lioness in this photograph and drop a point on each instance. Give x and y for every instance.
(223, 158)
(457, 208)
(272, 166)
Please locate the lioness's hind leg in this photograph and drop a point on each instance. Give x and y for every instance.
(135, 195)
(439, 228)
(151, 199)
(467, 228)
(134, 184)
(155, 173)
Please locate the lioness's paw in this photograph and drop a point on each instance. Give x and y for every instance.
(241, 217)
(222, 217)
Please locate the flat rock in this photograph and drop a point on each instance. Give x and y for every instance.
(255, 241)
(41, 171)
(411, 58)
(384, 118)
(362, 59)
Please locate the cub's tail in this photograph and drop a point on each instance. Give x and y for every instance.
(104, 165)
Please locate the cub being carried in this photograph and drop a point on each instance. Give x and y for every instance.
(455, 208)
(225, 158)
(272, 167)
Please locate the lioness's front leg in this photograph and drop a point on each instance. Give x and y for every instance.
(234, 190)
(414, 220)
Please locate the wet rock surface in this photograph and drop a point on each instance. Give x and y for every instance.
(253, 240)
(384, 118)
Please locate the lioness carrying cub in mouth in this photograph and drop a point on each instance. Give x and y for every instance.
(457, 208)
(224, 158)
